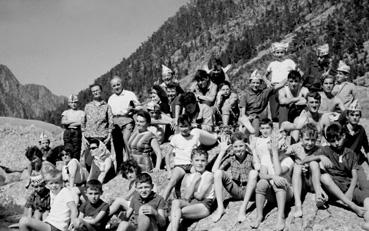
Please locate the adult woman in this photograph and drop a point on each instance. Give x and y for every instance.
(159, 96)
(142, 144)
(72, 171)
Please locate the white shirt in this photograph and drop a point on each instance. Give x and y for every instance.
(183, 146)
(74, 116)
(120, 103)
(60, 213)
(279, 70)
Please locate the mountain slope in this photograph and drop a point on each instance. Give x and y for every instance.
(236, 32)
(28, 101)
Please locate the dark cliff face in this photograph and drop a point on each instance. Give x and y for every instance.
(28, 101)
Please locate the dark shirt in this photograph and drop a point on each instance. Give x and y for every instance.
(173, 105)
(341, 170)
(357, 141)
(91, 210)
(256, 102)
(39, 201)
(154, 200)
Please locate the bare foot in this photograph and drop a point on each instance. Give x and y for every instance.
(359, 210)
(256, 223)
(218, 215)
(298, 211)
(365, 226)
(280, 225)
(241, 217)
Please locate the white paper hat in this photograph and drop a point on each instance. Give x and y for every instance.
(342, 66)
(323, 50)
(166, 70)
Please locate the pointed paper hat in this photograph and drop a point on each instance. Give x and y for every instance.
(37, 179)
(206, 68)
(255, 75)
(44, 137)
(354, 106)
(73, 98)
(342, 66)
(166, 70)
(322, 50)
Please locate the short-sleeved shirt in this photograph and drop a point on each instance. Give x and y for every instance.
(120, 103)
(239, 170)
(39, 201)
(356, 141)
(342, 164)
(279, 70)
(298, 151)
(345, 92)
(256, 102)
(210, 92)
(154, 200)
(262, 154)
(74, 116)
(204, 118)
(183, 146)
(98, 122)
(91, 210)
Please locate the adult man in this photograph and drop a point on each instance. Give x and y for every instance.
(122, 103)
(98, 122)
(204, 90)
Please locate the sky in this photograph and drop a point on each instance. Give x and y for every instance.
(66, 44)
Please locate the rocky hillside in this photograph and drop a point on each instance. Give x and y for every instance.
(240, 33)
(29, 101)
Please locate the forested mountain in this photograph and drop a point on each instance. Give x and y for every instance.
(239, 33)
(28, 101)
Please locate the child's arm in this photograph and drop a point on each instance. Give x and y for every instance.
(73, 212)
(161, 217)
(168, 158)
(151, 211)
(350, 190)
(96, 219)
(72, 168)
(208, 182)
(81, 215)
(325, 161)
(129, 212)
(223, 149)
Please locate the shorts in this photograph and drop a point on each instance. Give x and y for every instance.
(208, 203)
(185, 167)
(236, 189)
(53, 228)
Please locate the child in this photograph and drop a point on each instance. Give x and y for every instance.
(343, 89)
(102, 161)
(339, 171)
(45, 148)
(182, 145)
(274, 183)
(306, 147)
(199, 192)
(63, 209)
(72, 120)
(241, 181)
(38, 203)
(130, 170)
(146, 211)
(93, 214)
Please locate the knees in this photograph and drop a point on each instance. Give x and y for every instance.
(262, 186)
(253, 175)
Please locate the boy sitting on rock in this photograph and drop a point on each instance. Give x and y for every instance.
(146, 210)
(241, 180)
(38, 203)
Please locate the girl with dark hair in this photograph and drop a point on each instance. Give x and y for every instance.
(159, 96)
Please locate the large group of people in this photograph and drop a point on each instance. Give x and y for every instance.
(285, 132)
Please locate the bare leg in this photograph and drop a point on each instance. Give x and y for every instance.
(297, 187)
(195, 211)
(365, 226)
(119, 202)
(124, 226)
(28, 224)
(225, 119)
(176, 214)
(320, 195)
(250, 188)
(145, 223)
(218, 188)
(260, 200)
(177, 175)
(281, 204)
(126, 131)
(333, 188)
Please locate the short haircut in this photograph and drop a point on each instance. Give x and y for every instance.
(130, 166)
(224, 83)
(144, 178)
(199, 151)
(188, 98)
(184, 119)
(266, 121)
(309, 130)
(32, 152)
(201, 74)
(314, 95)
(95, 85)
(328, 77)
(145, 115)
(53, 175)
(115, 77)
(68, 148)
(295, 75)
(94, 185)
(239, 136)
(334, 132)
